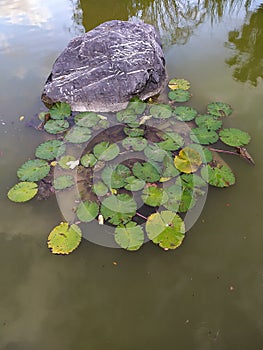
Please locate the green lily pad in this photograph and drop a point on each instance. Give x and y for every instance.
(129, 236)
(181, 84)
(60, 110)
(64, 160)
(161, 111)
(126, 116)
(100, 189)
(118, 209)
(78, 134)
(209, 122)
(206, 155)
(137, 105)
(146, 172)
(169, 169)
(136, 144)
(219, 109)
(234, 137)
(203, 136)
(33, 170)
(185, 114)
(22, 192)
(172, 141)
(102, 124)
(219, 176)
(188, 160)
(192, 181)
(87, 119)
(50, 150)
(63, 239)
(134, 184)
(154, 152)
(115, 178)
(153, 196)
(133, 132)
(166, 229)
(179, 199)
(56, 126)
(63, 181)
(88, 160)
(179, 95)
(87, 211)
(106, 151)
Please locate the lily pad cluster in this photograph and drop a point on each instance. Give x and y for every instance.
(142, 176)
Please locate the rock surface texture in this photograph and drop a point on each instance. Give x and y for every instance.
(104, 68)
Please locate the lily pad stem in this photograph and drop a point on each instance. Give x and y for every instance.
(142, 216)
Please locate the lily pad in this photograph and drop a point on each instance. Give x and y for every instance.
(129, 236)
(192, 181)
(60, 110)
(63, 239)
(172, 141)
(87, 211)
(115, 178)
(134, 184)
(206, 155)
(64, 160)
(22, 192)
(219, 109)
(33, 170)
(185, 114)
(154, 152)
(118, 209)
(63, 181)
(136, 144)
(161, 111)
(88, 160)
(166, 229)
(137, 105)
(56, 126)
(234, 137)
(153, 196)
(169, 169)
(126, 116)
(106, 151)
(203, 136)
(218, 176)
(179, 95)
(188, 160)
(78, 134)
(100, 189)
(50, 150)
(179, 199)
(133, 132)
(146, 172)
(87, 119)
(209, 122)
(181, 84)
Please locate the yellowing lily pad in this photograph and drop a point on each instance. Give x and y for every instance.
(188, 160)
(63, 239)
(181, 84)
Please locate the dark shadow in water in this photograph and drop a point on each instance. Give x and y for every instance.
(247, 44)
(175, 20)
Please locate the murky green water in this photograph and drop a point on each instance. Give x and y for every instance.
(206, 295)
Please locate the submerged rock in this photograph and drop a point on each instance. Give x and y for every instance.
(104, 68)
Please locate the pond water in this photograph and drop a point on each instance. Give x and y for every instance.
(205, 295)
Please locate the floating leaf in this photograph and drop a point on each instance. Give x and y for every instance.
(169, 169)
(50, 150)
(146, 172)
(137, 105)
(172, 141)
(136, 144)
(56, 126)
(126, 116)
(88, 160)
(64, 160)
(87, 211)
(234, 137)
(106, 151)
(181, 84)
(153, 196)
(219, 109)
(78, 134)
(63, 181)
(115, 178)
(102, 124)
(130, 236)
(188, 160)
(100, 189)
(133, 132)
(219, 176)
(22, 192)
(185, 114)
(33, 170)
(203, 136)
(134, 184)
(209, 122)
(192, 181)
(63, 239)
(154, 152)
(166, 229)
(206, 155)
(118, 209)
(179, 199)
(60, 110)
(161, 111)
(87, 119)
(179, 95)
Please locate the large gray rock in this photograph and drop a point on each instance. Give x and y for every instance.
(104, 68)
